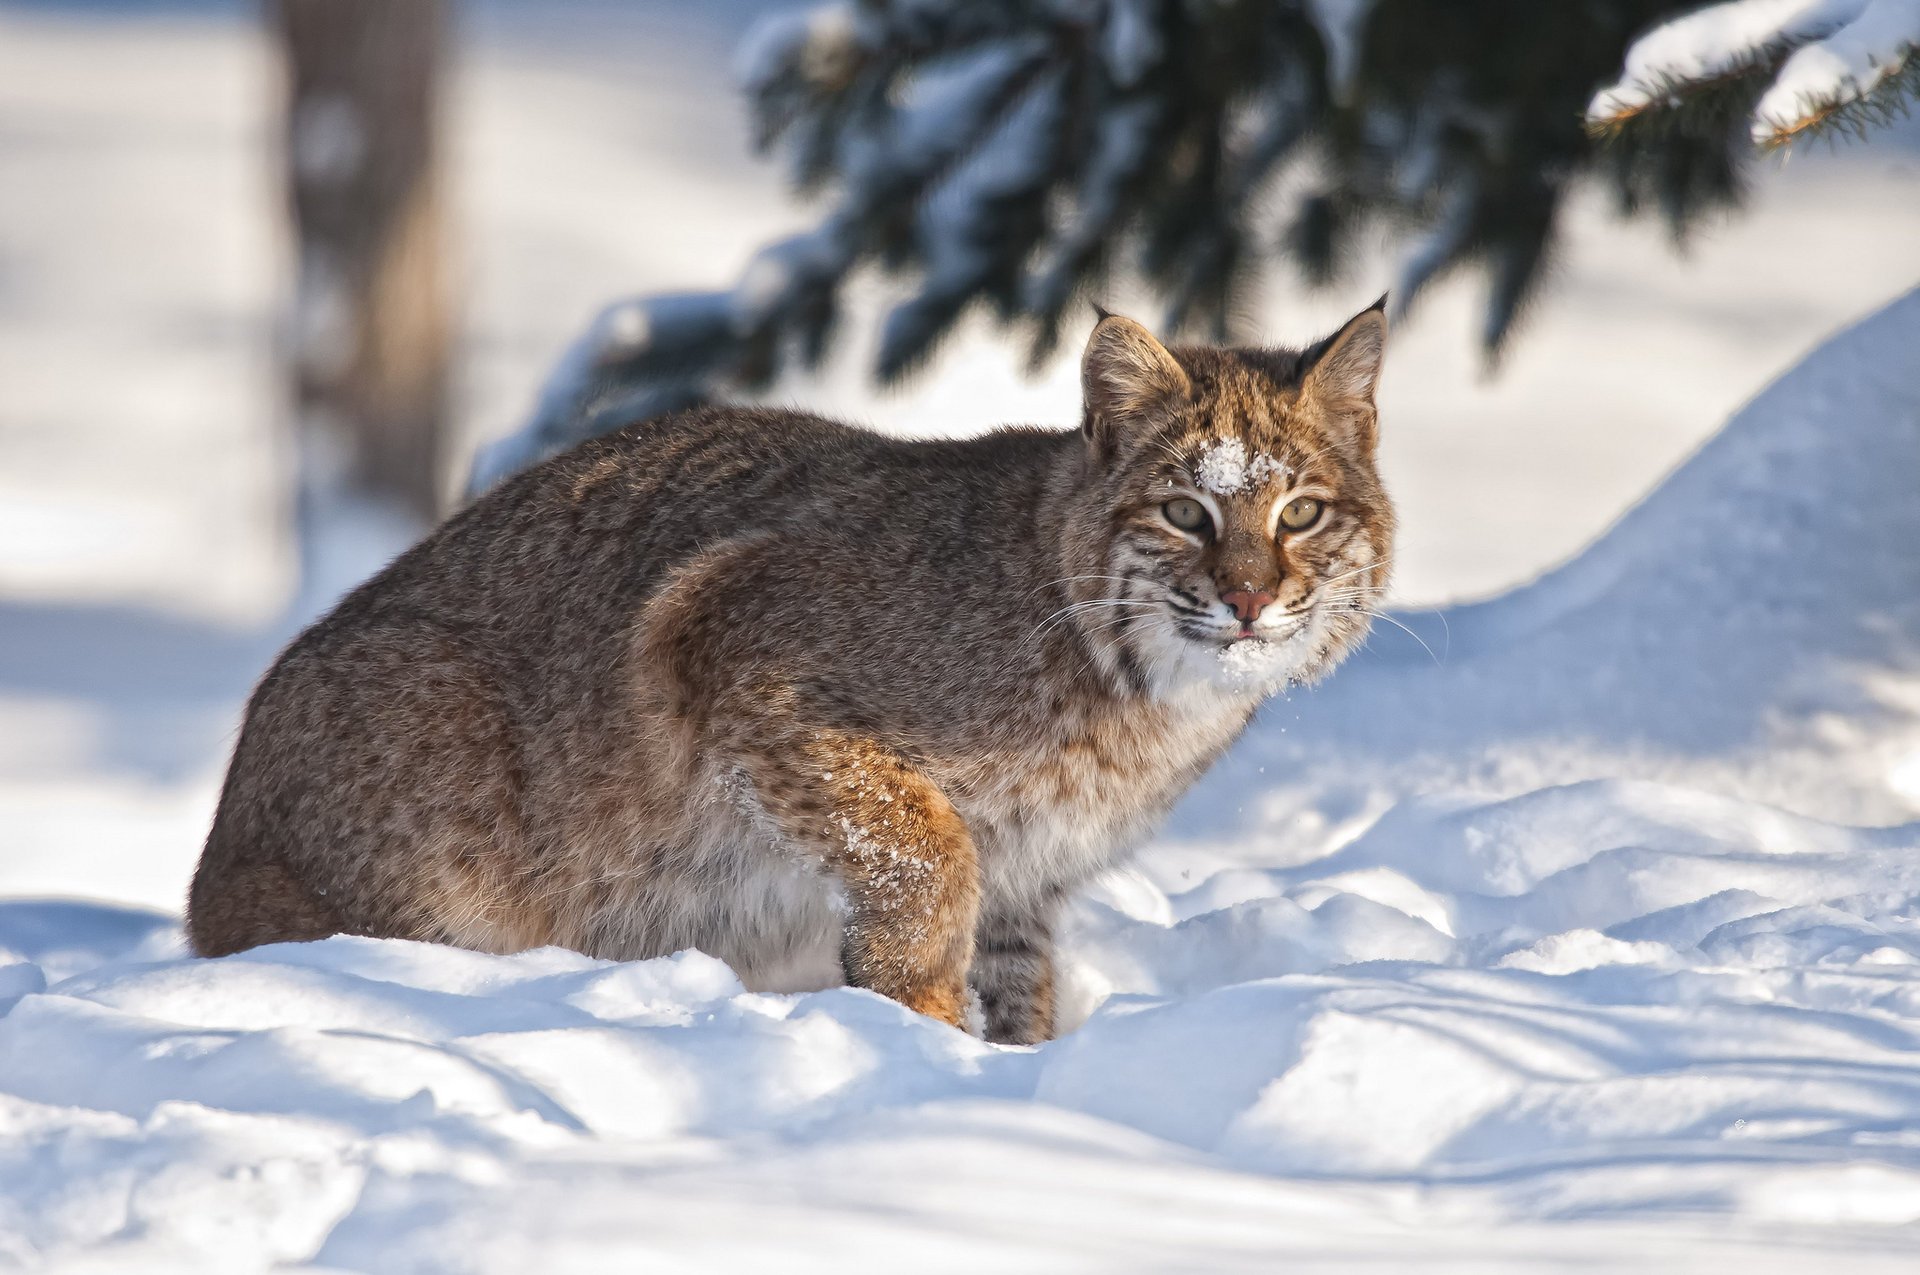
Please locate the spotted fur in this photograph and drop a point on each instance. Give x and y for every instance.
(826, 704)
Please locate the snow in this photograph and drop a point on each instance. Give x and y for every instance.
(811, 43)
(1840, 51)
(1341, 24)
(1225, 469)
(1257, 665)
(1843, 67)
(1713, 40)
(1589, 941)
(1329, 1068)
(1130, 42)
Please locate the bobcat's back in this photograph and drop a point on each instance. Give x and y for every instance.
(471, 747)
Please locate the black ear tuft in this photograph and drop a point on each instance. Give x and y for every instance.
(1345, 367)
(1101, 313)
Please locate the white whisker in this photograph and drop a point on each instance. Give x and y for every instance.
(1381, 615)
(1071, 579)
(1356, 571)
(1092, 604)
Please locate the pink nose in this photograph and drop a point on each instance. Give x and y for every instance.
(1247, 603)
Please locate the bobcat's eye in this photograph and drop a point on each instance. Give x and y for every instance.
(1188, 515)
(1300, 513)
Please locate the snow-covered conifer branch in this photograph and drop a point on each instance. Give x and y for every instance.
(1787, 68)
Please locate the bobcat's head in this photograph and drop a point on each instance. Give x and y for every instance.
(1234, 528)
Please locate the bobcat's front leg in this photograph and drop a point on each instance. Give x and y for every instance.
(1013, 973)
(899, 849)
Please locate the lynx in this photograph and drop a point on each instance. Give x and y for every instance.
(831, 706)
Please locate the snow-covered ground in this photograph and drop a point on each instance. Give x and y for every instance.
(1589, 940)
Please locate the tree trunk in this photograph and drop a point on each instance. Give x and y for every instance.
(369, 341)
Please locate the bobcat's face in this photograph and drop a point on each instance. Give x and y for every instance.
(1263, 556)
(1251, 538)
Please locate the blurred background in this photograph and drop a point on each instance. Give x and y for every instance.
(187, 471)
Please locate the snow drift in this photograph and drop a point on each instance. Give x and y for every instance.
(1593, 937)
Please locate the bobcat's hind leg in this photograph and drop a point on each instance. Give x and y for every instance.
(255, 901)
(373, 790)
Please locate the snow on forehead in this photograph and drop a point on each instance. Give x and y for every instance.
(1225, 469)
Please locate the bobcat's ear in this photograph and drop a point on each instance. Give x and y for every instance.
(1125, 374)
(1343, 370)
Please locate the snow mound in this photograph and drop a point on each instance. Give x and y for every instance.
(1751, 628)
(1611, 1001)
(1567, 945)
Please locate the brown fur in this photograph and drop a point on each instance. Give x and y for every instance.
(823, 703)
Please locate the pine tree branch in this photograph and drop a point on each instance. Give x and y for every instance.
(1840, 68)
(1020, 154)
(1854, 117)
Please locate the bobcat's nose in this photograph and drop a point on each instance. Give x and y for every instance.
(1247, 604)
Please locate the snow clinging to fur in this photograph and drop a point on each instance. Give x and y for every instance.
(1255, 664)
(1225, 469)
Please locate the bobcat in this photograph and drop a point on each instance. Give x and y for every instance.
(828, 705)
